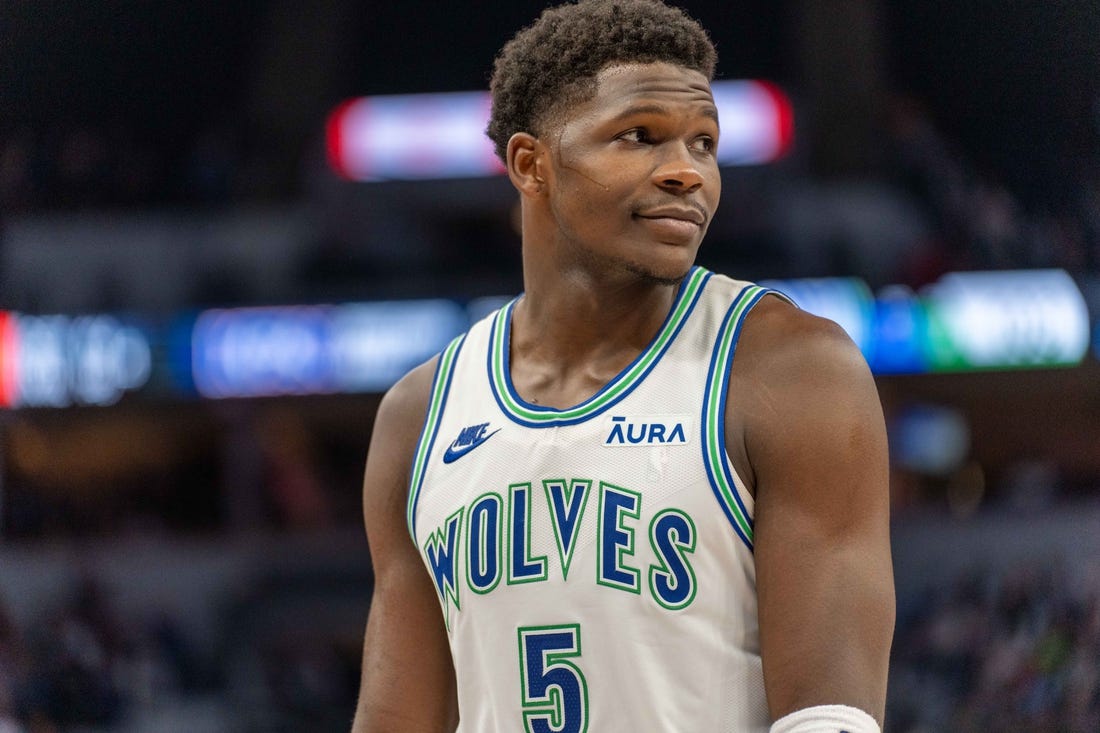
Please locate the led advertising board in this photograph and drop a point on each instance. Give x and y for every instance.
(60, 360)
(375, 344)
(435, 136)
(965, 321)
(900, 333)
(8, 356)
(257, 352)
(1010, 319)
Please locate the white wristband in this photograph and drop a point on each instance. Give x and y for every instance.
(826, 719)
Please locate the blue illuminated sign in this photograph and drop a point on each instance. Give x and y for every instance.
(57, 361)
(253, 352)
(900, 333)
(375, 344)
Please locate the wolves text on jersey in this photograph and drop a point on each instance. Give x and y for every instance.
(490, 540)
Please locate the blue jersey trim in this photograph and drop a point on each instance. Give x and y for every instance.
(718, 379)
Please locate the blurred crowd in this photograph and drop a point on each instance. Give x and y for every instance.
(86, 666)
(1014, 648)
(978, 223)
(185, 472)
(1000, 651)
(88, 167)
(78, 665)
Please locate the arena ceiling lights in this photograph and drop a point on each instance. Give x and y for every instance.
(437, 136)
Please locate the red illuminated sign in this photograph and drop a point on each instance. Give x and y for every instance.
(432, 136)
(9, 358)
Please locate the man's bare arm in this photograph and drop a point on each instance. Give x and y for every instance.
(815, 445)
(407, 679)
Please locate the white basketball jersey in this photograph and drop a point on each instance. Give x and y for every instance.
(594, 564)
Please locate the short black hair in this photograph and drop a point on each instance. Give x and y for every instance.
(554, 61)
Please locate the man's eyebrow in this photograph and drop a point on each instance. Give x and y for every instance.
(657, 109)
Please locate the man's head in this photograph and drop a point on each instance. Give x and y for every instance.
(552, 64)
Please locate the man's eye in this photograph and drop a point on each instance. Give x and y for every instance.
(637, 135)
(705, 144)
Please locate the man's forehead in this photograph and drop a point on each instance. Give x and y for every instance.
(622, 89)
(620, 82)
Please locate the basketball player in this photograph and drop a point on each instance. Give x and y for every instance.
(642, 497)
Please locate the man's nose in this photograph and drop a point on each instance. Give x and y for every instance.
(679, 171)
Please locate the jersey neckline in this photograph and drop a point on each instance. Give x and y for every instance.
(537, 416)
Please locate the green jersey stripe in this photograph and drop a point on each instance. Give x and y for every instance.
(715, 393)
(440, 384)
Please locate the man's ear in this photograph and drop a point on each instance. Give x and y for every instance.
(526, 158)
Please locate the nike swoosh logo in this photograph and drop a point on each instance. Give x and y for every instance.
(453, 452)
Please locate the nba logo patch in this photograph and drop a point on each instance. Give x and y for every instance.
(647, 430)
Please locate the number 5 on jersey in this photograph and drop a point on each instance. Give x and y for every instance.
(555, 694)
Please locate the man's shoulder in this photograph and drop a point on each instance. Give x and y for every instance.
(780, 340)
(405, 404)
(796, 379)
(397, 426)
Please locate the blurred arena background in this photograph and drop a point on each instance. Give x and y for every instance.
(215, 254)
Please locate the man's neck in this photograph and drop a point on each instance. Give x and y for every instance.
(572, 334)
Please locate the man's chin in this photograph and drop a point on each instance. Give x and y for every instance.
(670, 276)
